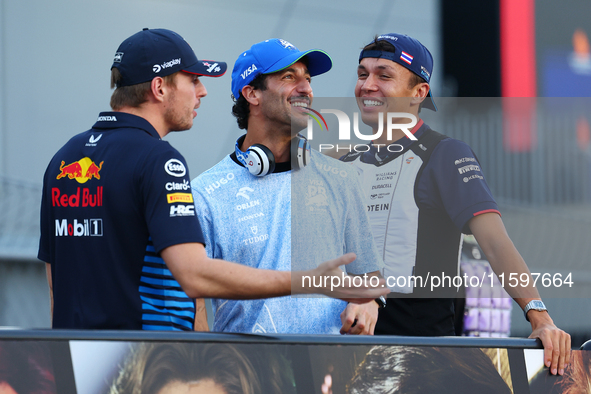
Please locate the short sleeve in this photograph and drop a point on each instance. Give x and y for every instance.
(453, 180)
(166, 192)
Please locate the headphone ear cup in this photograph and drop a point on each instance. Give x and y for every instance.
(300, 153)
(260, 160)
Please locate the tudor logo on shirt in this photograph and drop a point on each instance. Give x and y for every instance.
(175, 167)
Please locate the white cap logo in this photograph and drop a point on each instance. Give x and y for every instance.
(286, 44)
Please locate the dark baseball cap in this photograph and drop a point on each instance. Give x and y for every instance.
(274, 55)
(157, 53)
(409, 53)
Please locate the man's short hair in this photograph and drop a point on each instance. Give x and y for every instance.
(133, 95)
(241, 108)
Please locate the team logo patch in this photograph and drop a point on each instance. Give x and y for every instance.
(83, 228)
(175, 167)
(287, 44)
(212, 67)
(242, 192)
(468, 168)
(425, 73)
(179, 197)
(82, 170)
(248, 71)
(316, 198)
(182, 210)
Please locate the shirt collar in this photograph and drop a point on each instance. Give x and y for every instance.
(380, 153)
(116, 120)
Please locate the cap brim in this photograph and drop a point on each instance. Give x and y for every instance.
(429, 103)
(207, 68)
(319, 62)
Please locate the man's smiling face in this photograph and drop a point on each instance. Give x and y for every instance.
(382, 86)
(288, 92)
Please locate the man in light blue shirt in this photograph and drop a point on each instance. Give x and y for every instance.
(273, 201)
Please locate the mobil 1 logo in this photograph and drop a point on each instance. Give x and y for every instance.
(75, 228)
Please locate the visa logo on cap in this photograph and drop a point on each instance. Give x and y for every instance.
(248, 71)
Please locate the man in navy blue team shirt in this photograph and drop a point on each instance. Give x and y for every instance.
(435, 191)
(118, 223)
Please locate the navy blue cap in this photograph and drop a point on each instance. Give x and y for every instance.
(157, 53)
(274, 55)
(409, 53)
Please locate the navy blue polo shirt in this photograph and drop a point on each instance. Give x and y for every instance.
(421, 196)
(114, 197)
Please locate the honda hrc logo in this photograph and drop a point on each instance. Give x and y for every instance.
(182, 210)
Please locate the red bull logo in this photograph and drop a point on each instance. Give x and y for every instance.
(81, 170)
(84, 199)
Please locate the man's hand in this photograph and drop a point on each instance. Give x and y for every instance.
(200, 316)
(557, 346)
(330, 280)
(364, 316)
(492, 237)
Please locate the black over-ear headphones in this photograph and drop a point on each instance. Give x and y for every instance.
(260, 161)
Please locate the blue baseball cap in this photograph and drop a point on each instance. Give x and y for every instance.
(274, 55)
(409, 53)
(157, 53)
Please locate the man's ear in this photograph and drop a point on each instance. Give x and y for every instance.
(420, 93)
(158, 88)
(251, 94)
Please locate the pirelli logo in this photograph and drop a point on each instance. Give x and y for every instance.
(179, 197)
